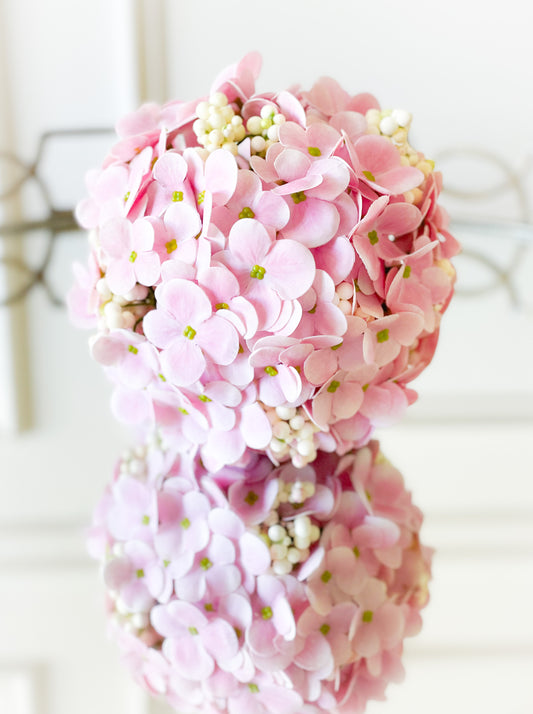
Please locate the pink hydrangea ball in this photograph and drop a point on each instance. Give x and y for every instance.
(265, 588)
(268, 271)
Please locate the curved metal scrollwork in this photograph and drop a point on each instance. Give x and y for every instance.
(514, 237)
(53, 224)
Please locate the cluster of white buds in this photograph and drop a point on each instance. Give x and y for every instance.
(133, 462)
(133, 622)
(264, 128)
(217, 125)
(343, 297)
(121, 311)
(290, 541)
(394, 123)
(293, 435)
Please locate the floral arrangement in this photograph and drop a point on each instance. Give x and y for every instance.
(268, 272)
(267, 589)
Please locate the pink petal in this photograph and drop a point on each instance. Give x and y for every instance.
(131, 406)
(170, 169)
(255, 556)
(220, 640)
(221, 176)
(313, 222)
(189, 657)
(183, 221)
(120, 276)
(291, 164)
(147, 268)
(218, 339)
(184, 300)
(255, 427)
(183, 362)
(291, 268)
(161, 328)
(316, 655)
(115, 237)
(250, 241)
(223, 579)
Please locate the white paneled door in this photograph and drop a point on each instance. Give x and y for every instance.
(464, 451)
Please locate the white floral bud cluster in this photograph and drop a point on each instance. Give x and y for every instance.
(293, 435)
(133, 462)
(290, 541)
(120, 311)
(132, 622)
(217, 125)
(264, 128)
(343, 297)
(394, 123)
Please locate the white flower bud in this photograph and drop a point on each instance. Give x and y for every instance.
(202, 110)
(293, 555)
(282, 567)
(285, 412)
(276, 533)
(218, 99)
(388, 126)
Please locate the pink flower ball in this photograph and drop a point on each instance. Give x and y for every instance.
(268, 271)
(263, 586)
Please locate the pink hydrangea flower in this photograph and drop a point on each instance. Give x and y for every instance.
(187, 332)
(129, 251)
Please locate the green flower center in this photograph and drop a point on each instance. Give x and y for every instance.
(251, 498)
(185, 523)
(246, 213)
(205, 564)
(373, 237)
(334, 386)
(253, 688)
(177, 196)
(140, 573)
(133, 256)
(257, 272)
(222, 306)
(367, 616)
(271, 371)
(201, 197)
(193, 630)
(145, 520)
(382, 336)
(326, 576)
(189, 332)
(314, 151)
(133, 349)
(266, 613)
(407, 271)
(204, 398)
(298, 197)
(171, 246)
(369, 175)
(324, 629)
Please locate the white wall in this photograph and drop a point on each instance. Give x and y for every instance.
(465, 70)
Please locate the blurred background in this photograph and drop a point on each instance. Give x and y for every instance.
(465, 70)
